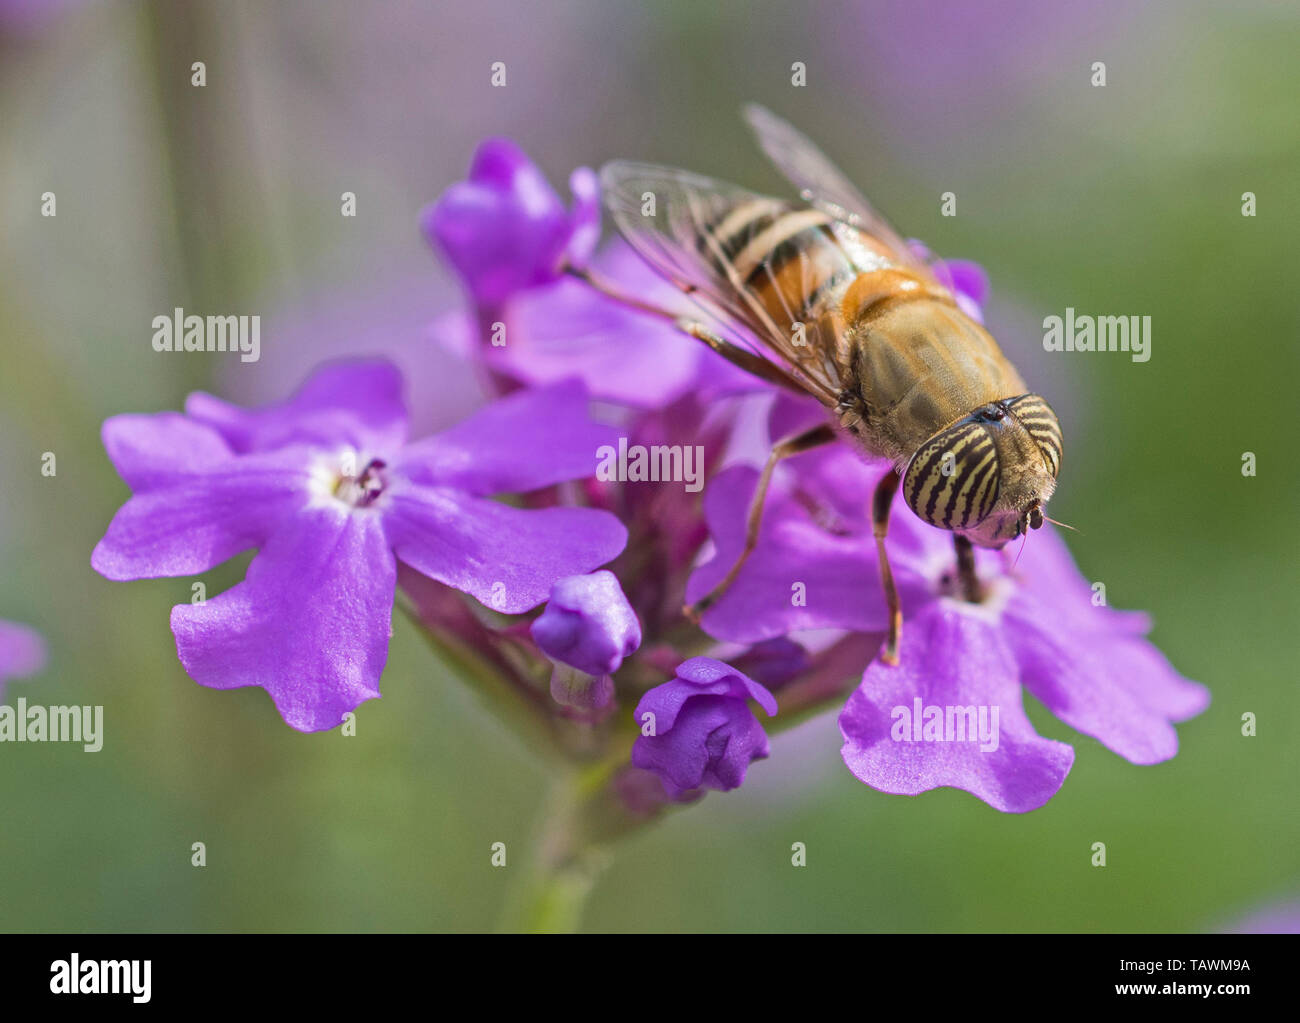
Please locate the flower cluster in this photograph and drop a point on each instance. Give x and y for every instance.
(343, 509)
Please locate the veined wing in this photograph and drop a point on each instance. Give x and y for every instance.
(823, 184)
(712, 240)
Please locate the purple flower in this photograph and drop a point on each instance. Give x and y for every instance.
(22, 652)
(703, 734)
(1038, 627)
(588, 624)
(505, 229)
(329, 492)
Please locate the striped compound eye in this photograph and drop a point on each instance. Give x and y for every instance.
(952, 482)
(1038, 418)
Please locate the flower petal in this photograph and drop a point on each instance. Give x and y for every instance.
(150, 450)
(528, 440)
(507, 558)
(1049, 578)
(950, 659)
(708, 675)
(200, 519)
(584, 220)
(1120, 690)
(624, 356)
(356, 402)
(969, 280)
(310, 624)
(700, 676)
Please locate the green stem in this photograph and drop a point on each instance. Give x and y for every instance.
(511, 701)
(567, 865)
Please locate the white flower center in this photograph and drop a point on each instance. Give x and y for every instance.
(350, 478)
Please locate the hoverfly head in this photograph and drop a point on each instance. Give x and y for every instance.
(988, 475)
(953, 480)
(1038, 419)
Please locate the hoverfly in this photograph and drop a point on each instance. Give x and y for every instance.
(847, 312)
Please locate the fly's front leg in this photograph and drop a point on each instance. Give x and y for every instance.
(805, 441)
(881, 502)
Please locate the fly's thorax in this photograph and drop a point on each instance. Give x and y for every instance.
(988, 474)
(921, 364)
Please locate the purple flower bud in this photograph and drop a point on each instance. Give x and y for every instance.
(704, 734)
(588, 624)
(505, 229)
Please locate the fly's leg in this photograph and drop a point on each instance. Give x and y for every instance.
(880, 504)
(968, 580)
(738, 356)
(805, 441)
(733, 353)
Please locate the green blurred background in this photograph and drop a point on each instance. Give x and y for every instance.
(1117, 200)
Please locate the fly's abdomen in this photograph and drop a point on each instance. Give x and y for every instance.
(793, 258)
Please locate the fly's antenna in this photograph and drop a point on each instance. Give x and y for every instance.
(1063, 525)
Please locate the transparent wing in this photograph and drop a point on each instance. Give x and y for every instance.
(821, 183)
(680, 241)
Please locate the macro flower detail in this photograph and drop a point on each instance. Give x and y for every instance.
(951, 659)
(588, 624)
(328, 490)
(704, 734)
(22, 652)
(504, 229)
(1036, 627)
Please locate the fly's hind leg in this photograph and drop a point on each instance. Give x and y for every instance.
(880, 505)
(805, 441)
